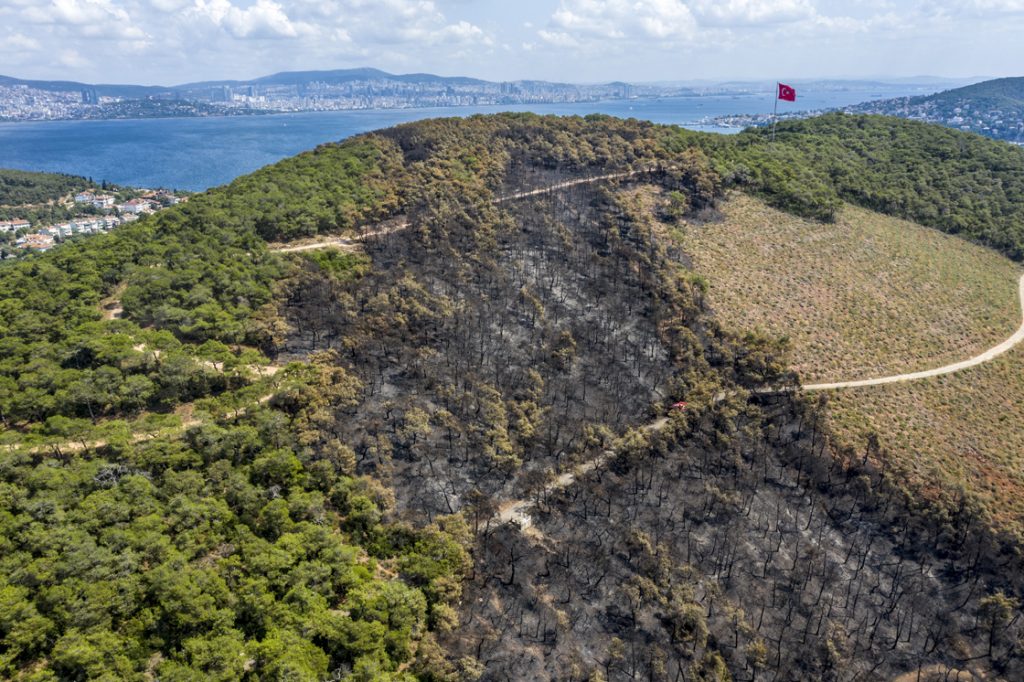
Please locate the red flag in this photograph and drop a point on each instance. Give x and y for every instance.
(787, 92)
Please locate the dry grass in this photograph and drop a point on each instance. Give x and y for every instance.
(871, 296)
(864, 297)
(961, 430)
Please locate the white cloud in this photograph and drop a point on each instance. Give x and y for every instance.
(209, 37)
(74, 12)
(589, 25)
(558, 38)
(169, 41)
(93, 19)
(265, 19)
(72, 59)
(751, 12)
(170, 5)
(19, 42)
(1001, 6)
(463, 32)
(619, 19)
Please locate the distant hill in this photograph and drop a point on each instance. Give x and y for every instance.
(998, 92)
(101, 89)
(290, 91)
(335, 76)
(993, 108)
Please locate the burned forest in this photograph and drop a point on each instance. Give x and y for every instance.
(525, 352)
(449, 402)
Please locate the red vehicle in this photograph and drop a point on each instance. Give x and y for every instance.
(681, 405)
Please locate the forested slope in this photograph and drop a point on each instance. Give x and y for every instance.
(954, 181)
(169, 507)
(19, 187)
(993, 108)
(291, 467)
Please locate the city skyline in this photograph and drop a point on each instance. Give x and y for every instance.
(579, 41)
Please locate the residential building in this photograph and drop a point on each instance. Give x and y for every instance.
(14, 225)
(136, 206)
(103, 201)
(39, 242)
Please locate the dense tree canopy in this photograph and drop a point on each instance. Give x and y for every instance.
(958, 182)
(19, 187)
(222, 462)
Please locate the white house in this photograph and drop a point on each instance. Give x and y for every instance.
(103, 201)
(137, 206)
(14, 225)
(41, 242)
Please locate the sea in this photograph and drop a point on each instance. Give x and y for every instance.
(198, 153)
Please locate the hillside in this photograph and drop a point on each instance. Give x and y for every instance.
(20, 188)
(1001, 92)
(864, 296)
(102, 89)
(438, 445)
(957, 440)
(868, 296)
(956, 182)
(992, 108)
(42, 199)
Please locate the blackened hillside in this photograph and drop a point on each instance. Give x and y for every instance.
(299, 465)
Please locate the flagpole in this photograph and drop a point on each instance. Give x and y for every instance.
(775, 111)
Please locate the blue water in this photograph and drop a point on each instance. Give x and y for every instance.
(197, 153)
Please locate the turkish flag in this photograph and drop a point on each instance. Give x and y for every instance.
(787, 92)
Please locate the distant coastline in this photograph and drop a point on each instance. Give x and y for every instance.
(303, 91)
(195, 153)
(362, 89)
(236, 113)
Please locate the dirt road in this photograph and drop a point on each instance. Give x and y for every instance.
(352, 243)
(991, 353)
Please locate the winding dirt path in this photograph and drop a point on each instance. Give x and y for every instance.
(981, 358)
(343, 243)
(110, 307)
(570, 183)
(519, 510)
(352, 243)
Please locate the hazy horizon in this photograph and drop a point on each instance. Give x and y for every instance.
(169, 42)
(680, 82)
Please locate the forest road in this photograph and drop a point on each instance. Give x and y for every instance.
(518, 511)
(341, 243)
(981, 358)
(352, 243)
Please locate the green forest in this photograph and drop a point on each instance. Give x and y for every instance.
(192, 548)
(957, 182)
(19, 187)
(293, 466)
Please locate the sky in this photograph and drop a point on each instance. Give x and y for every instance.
(169, 42)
